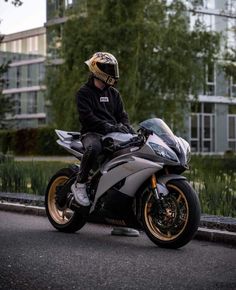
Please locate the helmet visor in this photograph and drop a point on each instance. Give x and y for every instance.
(109, 69)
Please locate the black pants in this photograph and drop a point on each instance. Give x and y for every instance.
(93, 147)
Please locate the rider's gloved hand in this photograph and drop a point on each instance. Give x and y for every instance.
(115, 128)
(108, 128)
(121, 128)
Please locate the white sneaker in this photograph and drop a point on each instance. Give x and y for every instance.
(80, 194)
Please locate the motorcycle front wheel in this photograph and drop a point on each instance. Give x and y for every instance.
(64, 220)
(172, 221)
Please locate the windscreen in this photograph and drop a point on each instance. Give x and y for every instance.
(159, 127)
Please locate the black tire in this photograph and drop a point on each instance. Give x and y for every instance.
(177, 224)
(66, 220)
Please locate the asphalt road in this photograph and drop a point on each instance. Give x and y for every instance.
(35, 256)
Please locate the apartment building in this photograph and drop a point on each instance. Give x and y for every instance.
(24, 80)
(212, 129)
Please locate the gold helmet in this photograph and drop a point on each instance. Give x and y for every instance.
(104, 67)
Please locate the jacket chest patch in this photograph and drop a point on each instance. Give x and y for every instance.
(104, 99)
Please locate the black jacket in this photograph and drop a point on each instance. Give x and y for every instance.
(98, 107)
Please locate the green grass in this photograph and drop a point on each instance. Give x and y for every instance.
(214, 178)
(27, 177)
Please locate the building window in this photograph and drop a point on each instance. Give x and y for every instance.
(202, 129)
(18, 76)
(210, 80)
(19, 46)
(16, 46)
(6, 81)
(29, 75)
(41, 68)
(17, 103)
(59, 8)
(232, 132)
(32, 103)
(32, 45)
(3, 46)
(233, 87)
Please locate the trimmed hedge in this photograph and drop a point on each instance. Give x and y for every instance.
(30, 141)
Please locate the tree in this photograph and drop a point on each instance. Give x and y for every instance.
(161, 60)
(229, 58)
(230, 63)
(6, 104)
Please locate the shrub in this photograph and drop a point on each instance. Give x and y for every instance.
(25, 141)
(46, 142)
(6, 141)
(33, 141)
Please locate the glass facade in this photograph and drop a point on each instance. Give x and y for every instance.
(23, 84)
(23, 73)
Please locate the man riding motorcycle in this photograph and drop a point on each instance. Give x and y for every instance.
(101, 111)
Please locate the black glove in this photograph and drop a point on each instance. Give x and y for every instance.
(108, 128)
(121, 128)
(116, 128)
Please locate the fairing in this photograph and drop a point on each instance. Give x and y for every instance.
(176, 144)
(159, 127)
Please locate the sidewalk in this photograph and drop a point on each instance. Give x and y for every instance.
(212, 228)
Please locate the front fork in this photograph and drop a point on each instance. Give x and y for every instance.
(158, 189)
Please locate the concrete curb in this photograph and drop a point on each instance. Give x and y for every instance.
(22, 208)
(218, 236)
(203, 233)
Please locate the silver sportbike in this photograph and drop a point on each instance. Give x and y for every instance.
(136, 182)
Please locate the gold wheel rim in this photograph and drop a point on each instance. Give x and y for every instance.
(153, 228)
(59, 216)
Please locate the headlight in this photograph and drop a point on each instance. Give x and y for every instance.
(163, 152)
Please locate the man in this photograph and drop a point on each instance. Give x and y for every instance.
(101, 111)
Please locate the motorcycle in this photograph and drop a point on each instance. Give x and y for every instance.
(135, 182)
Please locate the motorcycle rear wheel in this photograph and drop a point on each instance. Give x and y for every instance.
(64, 220)
(175, 222)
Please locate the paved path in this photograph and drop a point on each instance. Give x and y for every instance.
(35, 256)
(212, 228)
